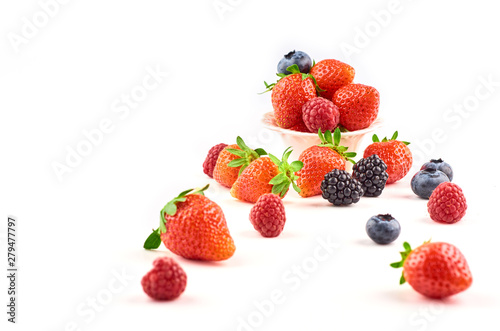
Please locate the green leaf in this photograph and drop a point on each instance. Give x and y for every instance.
(279, 178)
(294, 69)
(375, 139)
(350, 154)
(402, 280)
(336, 137)
(237, 152)
(295, 187)
(153, 241)
(286, 155)
(281, 188)
(237, 163)
(241, 143)
(243, 167)
(274, 159)
(170, 208)
(407, 246)
(296, 166)
(394, 136)
(261, 151)
(328, 136)
(397, 264)
(184, 193)
(406, 142)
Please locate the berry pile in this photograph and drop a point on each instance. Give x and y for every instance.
(320, 98)
(342, 103)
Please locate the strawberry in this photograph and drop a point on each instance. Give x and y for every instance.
(319, 160)
(266, 175)
(232, 160)
(331, 75)
(194, 227)
(436, 270)
(394, 153)
(358, 105)
(289, 94)
(301, 127)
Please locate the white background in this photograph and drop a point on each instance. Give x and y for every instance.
(80, 236)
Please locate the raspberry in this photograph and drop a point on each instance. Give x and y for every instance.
(371, 173)
(211, 159)
(340, 189)
(447, 203)
(320, 113)
(166, 281)
(268, 215)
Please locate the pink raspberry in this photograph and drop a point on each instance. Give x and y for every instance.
(211, 159)
(447, 203)
(268, 215)
(320, 113)
(166, 281)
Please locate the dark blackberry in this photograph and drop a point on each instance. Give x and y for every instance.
(371, 173)
(340, 188)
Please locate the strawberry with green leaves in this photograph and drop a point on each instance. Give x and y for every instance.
(266, 175)
(319, 160)
(194, 227)
(436, 270)
(232, 160)
(394, 153)
(289, 94)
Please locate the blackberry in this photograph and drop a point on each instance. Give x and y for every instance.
(340, 188)
(371, 173)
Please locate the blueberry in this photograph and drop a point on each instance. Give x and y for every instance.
(439, 164)
(295, 57)
(383, 229)
(425, 181)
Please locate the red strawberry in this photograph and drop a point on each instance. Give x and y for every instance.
(211, 159)
(436, 270)
(301, 127)
(289, 94)
(331, 75)
(447, 203)
(194, 227)
(358, 105)
(233, 160)
(268, 215)
(166, 281)
(394, 153)
(266, 175)
(319, 160)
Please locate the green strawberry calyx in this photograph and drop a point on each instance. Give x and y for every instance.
(154, 240)
(404, 256)
(375, 139)
(333, 142)
(245, 155)
(281, 182)
(293, 69)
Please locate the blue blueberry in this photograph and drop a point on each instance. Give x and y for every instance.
(425, 181)
(439, 164)
(295, 57)
(383, 229)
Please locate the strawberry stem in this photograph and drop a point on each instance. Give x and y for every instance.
(333, 142)
(154, 240)
(286, 176)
